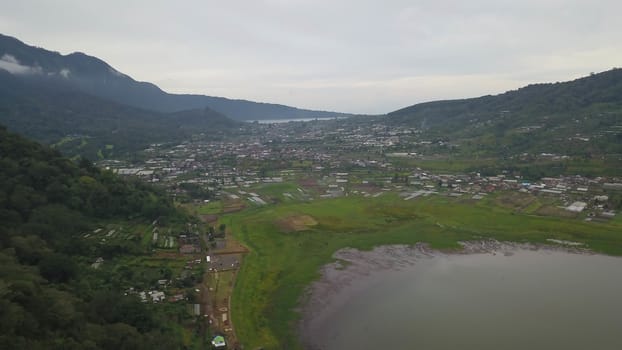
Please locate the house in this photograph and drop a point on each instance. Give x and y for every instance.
(163, 282)
(576, 207)
(157, 296)
(97, 263)
(219, 342)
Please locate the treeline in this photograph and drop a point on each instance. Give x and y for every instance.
(49, 297)
(34, 176)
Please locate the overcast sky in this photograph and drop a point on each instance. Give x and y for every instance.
(350, 56)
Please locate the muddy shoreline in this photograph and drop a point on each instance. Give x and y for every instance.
(348, 273)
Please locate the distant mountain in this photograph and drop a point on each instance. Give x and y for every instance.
(93, 76)
(579, 116)
(78, 123)
(537, 99)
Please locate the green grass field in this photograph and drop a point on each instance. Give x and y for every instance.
(214, 207)
(281, 265)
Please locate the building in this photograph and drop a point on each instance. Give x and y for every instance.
(219, 342)
(576, 207)
(157, 296)
(98, 262)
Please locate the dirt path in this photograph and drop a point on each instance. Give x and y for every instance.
(217, 289)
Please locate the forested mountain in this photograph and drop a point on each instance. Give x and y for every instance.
(583, 116)
(50, 296)
(79, 123)
(91, 75)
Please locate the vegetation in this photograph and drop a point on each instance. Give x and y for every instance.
(580, 117)
(283, 262)
(51, 297)
(80, 124)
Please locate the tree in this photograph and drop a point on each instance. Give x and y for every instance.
(57, 268)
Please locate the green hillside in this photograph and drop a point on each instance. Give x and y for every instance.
(51, 297)
(580, 117)
(78, 123)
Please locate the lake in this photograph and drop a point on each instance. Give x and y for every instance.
(403, 298)
(279, 121)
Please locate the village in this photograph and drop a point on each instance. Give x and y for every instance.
(266, 164)
(199, 263)
(326, 159)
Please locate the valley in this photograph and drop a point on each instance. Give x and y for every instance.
(296, 193)
(152, 220)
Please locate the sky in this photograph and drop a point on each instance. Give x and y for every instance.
(357, 56)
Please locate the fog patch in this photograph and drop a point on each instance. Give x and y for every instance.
(13, 66)
(64, 73)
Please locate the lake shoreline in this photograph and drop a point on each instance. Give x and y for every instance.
(346, 275)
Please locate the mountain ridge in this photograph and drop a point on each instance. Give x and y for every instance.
(581, 117)
(96, 77)
(578, 93)
(82, 124)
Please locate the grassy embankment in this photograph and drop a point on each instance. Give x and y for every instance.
(286, 258)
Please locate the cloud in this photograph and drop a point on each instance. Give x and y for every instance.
(64, 73)
(13, 66)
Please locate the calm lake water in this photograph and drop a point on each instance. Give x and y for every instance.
(278, 121)
(530, 300)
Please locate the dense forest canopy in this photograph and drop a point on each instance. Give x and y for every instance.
(50, 297)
